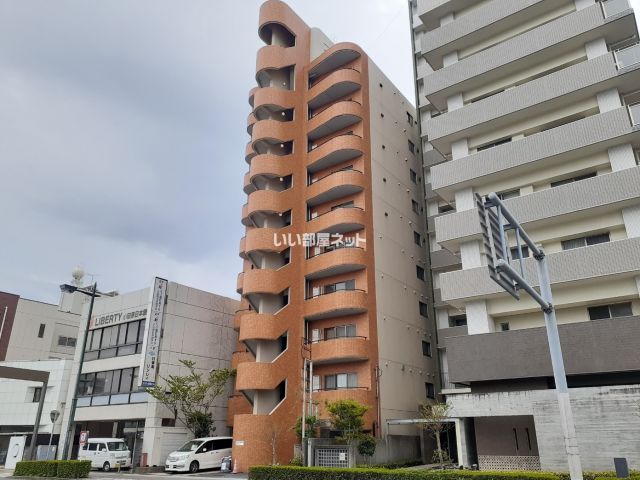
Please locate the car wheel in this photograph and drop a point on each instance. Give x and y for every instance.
(194, 467)
(106, 467)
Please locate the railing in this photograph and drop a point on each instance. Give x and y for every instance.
(334, 246)
(315, 80)
(634, 113)
(627, 56)
(313, 146)
(309, 297)
(312, 181)
(310, 218)
(310, 342)
(339, 388)
(613, 7)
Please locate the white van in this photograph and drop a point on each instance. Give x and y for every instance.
(106, 453)
(198, 454)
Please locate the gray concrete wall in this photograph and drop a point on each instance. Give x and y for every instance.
(607, 422)
(497, 435)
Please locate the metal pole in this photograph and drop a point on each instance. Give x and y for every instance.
(559, 375)
(304, 399)
(68, 444)
(50, 440)
(36, 427)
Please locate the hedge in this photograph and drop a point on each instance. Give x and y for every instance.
(316, 473)
(53, 468)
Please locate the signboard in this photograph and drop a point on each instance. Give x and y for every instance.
(84, 436)
(152, 331)
(113, 318)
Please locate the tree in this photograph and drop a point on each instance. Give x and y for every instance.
(310, 427)
(190, 397)
(347, 418)
(367, 446)
(437, 421)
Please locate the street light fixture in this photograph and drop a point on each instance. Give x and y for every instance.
(53, 415)
(66, 288)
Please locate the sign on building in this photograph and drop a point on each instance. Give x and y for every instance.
(152, 331)
(84, 436)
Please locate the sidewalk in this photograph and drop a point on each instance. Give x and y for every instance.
(214, 474)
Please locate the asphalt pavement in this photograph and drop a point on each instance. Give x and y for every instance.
(97, 475)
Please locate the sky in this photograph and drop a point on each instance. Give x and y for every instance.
(123, 129)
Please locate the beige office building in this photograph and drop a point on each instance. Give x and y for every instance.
(536, 100)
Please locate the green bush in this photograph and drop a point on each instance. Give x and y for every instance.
(53, 468)
(392, 466)
(316, 473)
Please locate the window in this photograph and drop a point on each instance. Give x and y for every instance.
(66, 341)
(423, 309)
(420, 272)
(458, 320)
(426, 348)
(115, 341)
(504, 327)
(315, 381)
(585, 241)
(415, 207)
(431, 391)
(610, 311)
(343, 205)
(412, 147)
(340, 380)
(341, 331)
(93, 447)
(445, 208)
(417, 238)
(41, 330)
(515, 253)
(573, 179)
(37, 394)
(509, 194)
(413, 175)
(409, 118)
(487, 146)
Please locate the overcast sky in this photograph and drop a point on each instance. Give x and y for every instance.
(123, 129)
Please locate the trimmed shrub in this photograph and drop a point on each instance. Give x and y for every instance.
(316, 473)
(53, 468)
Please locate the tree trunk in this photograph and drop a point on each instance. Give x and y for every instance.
(439, 447)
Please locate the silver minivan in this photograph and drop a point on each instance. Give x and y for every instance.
(199, 454)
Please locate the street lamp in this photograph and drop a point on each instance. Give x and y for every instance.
(53, 415)
(66, 288)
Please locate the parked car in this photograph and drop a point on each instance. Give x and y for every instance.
(106, 453)
(199, 454)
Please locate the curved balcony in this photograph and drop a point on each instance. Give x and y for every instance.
(264, 240)
(239, 357)
(279, 14)
(267, 166)
(273, 97)
(335, 57)
(237, 405)
(335, 151)
(261, 326)
(251, 120)
(265, 202)
(336, 262)
(252, 94)
(340, 220)
(335, 85)
(336, 304)
(265, 281)
(259, 376)
(335, 185)
(338, 116)
(237, 318)
(273, 57)
(249, 152)
(240, 282)
(362, 395)
(337, 350)
(270, 132)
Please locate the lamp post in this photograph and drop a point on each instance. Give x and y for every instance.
(72, 412)
(53, 415)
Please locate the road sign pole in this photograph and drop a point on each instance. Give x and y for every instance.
(559, 374)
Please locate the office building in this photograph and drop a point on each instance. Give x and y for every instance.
(536, 100)
(335, 279)
(135, 340)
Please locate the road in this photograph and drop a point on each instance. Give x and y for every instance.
(96, 475)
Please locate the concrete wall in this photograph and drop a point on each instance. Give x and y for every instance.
(606, 418)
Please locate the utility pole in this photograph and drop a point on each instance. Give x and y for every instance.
(496, 222)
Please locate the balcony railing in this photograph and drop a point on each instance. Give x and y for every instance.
(634, 113)
(310, 295)
(308, 341)
(628, 56)
(311, 252)
(613, 7)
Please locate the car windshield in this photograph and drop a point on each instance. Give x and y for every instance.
(190, 446)
(117, 446)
